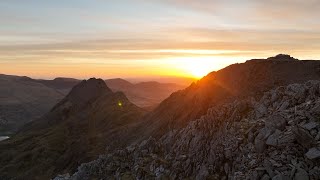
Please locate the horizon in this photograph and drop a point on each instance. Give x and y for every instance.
(150, 39)
(183, 81)
(159, 89)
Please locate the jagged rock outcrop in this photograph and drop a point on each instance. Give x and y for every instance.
(232, 141)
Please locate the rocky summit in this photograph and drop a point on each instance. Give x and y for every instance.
(237, 81)
(273, 137)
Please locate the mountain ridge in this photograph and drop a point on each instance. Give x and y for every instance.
(251, 78)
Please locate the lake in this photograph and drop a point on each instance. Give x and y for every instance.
(3, 138)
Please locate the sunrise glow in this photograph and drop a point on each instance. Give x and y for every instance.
(131, 39)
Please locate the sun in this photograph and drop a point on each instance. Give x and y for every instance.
(199, 71)
(198, 67)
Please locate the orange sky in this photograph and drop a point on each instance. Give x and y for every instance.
(138, 38)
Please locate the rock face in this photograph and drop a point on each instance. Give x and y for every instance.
(233, 140)
(75, 131)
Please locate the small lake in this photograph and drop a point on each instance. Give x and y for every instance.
(3, 138)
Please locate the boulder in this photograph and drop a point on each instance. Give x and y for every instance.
(261, 110)
(260, 140)
(286, 138)
(268, 166)
(301, 174)
(303, 137)
(273, 139)
(313, 153)
(276, 121)
(311, 125)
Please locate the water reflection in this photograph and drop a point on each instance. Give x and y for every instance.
(3, 138)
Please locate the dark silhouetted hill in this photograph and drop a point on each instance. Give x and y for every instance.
(22, 100)
(79, 128)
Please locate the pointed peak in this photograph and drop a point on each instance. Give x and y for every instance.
(94, 85)
(88, 90)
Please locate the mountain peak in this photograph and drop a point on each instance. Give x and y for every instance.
(118, 82)
(88, 90)
(279, 57)
(282, 57)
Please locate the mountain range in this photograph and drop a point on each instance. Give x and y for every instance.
(254, 120)
(23, 99)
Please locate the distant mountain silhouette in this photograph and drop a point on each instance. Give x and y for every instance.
(118, 83)
(145, 94)
(63, 85)
(23, 99)
(79, 128)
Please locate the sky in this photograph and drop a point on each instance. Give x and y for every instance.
(150, 38)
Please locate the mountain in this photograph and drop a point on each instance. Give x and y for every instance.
(144, 94)
(255, 120)
(63, 85)
(118, 84)
(251, 78)
(79, 128)
(217, 128)
(21, 100)
(272, 137)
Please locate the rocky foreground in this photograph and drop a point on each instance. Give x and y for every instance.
(275, 137)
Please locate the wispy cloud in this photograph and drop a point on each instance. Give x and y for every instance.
(103, 32)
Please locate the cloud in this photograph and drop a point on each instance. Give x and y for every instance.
(256, 13)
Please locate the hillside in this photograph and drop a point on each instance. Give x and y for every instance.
(251, 78)
(234, 140)
(23, 100)
(255, 120)
(76, 130)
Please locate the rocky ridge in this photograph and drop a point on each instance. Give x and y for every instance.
(237, 81)
(274, 137)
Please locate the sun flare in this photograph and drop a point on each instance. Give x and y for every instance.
(198, 67)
